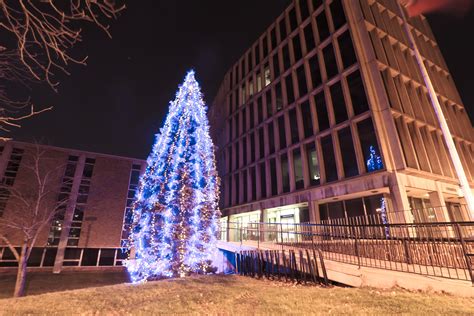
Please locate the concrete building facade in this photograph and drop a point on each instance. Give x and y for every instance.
(95, 194)
(326, 117)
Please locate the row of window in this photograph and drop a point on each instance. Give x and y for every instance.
(311, 163)
(132, 190)
(309, 74)
(84, 257)
(286, 26)
(63, 200)
(347, 98)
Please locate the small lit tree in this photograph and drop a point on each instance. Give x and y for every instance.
(29, 208)
(175, 213)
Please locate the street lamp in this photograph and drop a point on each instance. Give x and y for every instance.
(466, 189)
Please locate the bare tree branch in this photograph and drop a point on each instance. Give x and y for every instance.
(47, 30)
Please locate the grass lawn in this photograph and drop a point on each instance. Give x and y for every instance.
(223, 295)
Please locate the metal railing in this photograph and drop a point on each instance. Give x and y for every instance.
(435, 249)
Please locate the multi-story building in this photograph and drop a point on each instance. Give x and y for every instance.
(93, 195)
(326, 116)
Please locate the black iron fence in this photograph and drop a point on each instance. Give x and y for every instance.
(436, 249)
(297, 266)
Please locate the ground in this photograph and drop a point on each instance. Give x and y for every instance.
(215, 295)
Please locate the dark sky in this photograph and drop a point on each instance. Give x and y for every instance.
(118, 101)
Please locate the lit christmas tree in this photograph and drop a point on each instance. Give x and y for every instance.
(176, 213)
(375, 161)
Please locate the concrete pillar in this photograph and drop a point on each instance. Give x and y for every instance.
(399, 197)
(439, 204)
(439, 207)
(68, 216)
(314, 216)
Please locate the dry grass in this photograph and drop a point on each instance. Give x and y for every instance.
(233, 295)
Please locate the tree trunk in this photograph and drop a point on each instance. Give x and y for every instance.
(21, 274)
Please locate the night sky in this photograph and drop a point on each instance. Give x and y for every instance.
(118, 101)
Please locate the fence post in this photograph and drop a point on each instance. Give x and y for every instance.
(356, 246)
(464, 250)
(258, 236)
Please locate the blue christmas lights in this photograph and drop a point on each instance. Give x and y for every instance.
(175, 212)
(375, 161)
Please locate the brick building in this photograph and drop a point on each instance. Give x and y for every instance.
(97, 190)
(326, 117)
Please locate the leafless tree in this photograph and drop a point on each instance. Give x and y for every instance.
(44, 32)
(32, 205)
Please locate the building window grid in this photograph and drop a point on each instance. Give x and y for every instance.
(342, 74)
(128, 212)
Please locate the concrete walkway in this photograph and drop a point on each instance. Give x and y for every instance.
(353, 275)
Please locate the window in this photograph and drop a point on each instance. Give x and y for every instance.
(348, 155)
(297, 48)
(316, 4)
(293, 126)
(273, 38)
(252, 147)
(309, 38)
(266, 74)
(329, 159)
(271, 138)
(301, 76)
(370, 148)
(244, 150)
(279, 97)
(330, 61)
(264, 47)
(338, 103)
(298, 169)
(313, 164)
(286, 57)
(357, 92)
(293, 20)
(259, 81)
(268, 98)
(337, 12)
(276, 66)
(273, 177)
(290, 93)
(251, 115)
(307, 119)
(244, 185)
(282, 131)
(257, 54)
(285, 173)
(263, 179)
(244, 120)
(347, 49)
(336, 210)
(282, 26)
(304, 10)
(322, 111)
(315, 71)
(237, 155)
(323, 29)
(260, 109)
(237, 188)
(253, 183)
(261, 142)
